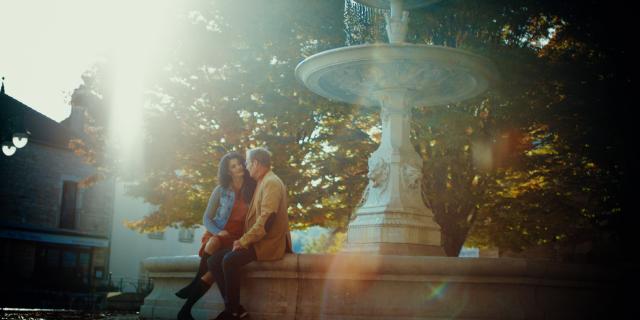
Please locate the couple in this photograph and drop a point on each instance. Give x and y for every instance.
(246, 220)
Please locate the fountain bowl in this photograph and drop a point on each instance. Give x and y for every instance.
(406, 4)
(432, 75)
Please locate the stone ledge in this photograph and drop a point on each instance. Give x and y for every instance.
(350, 286)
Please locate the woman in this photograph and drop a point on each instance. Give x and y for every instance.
(224, 220)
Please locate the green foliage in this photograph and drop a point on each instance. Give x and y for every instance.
(326, 243)
(239, 92)
(92, 99)
(528, 164)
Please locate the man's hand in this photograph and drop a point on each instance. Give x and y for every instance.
(237, 246)
(223, 234)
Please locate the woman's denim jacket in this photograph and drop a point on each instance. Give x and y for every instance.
(219, 209)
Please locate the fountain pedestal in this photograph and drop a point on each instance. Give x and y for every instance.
(392, 218)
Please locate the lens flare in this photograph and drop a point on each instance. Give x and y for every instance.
(345, 282)
(436, 291)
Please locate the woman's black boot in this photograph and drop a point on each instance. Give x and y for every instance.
(197, 291)
(202, 269)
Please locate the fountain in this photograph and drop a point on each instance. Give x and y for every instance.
(392, 218)
(394, 267)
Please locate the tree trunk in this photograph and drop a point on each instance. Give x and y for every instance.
(453, 241)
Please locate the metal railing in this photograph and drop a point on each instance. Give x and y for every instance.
(129, 284)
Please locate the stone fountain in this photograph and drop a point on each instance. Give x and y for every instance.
(394, 266)
(392, 218)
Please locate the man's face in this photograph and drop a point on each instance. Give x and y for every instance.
(251, 167)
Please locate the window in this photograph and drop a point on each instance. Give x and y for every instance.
(53, 258)
(68, 208)
(98, 272)
(156, 235)
(186, 235)
(84, 262)
(69, 259)
(62, 267)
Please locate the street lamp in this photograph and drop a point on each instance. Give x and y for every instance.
(20, 140)
(8, 148)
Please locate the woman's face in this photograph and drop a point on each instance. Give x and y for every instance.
(236, 168)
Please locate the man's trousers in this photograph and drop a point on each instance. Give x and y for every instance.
(225, 266)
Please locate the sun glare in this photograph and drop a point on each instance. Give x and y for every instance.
(48, 45)
(142, 31)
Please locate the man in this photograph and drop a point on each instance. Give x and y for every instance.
(266, 236)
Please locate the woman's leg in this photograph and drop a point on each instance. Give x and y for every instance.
(203, 282)
(208, 248)
(212, 246)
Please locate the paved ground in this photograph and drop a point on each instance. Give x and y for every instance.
(65, 314)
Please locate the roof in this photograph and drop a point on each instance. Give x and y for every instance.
(42, 129)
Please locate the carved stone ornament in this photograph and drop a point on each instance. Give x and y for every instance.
(363, 199)
(378, 173)
(411, 175)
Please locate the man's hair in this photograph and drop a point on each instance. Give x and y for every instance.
(262, 155)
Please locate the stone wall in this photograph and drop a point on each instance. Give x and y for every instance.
(31, 191)
(398, 287)
(33, 240)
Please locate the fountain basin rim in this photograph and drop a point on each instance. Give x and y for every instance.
(407, 4)
(383, 46)
(480, 71)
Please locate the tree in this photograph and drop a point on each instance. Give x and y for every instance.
(506, 169)
(92, 99)
(244, 95)
(538, 128)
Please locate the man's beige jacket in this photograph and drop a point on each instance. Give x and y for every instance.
(270, 197)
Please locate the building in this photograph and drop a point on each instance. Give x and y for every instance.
(129, 247)
(54, 232)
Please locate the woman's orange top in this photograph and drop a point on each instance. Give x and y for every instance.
(235, 224)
